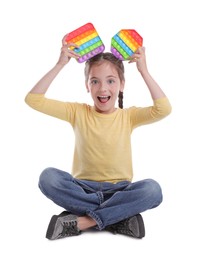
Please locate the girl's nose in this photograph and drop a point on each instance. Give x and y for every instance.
(103, 87)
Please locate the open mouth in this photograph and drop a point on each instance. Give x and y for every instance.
(103, 99)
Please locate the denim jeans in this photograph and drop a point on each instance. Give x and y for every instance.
(105, 202)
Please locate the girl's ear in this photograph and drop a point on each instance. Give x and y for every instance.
(87, 87)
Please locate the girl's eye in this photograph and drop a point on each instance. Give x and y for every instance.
(94, 82)
(111, 81)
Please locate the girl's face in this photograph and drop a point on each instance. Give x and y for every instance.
(104, 85)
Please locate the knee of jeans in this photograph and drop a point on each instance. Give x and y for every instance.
(154, 191)
(46, 179)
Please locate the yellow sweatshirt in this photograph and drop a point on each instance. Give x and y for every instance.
(102, 141)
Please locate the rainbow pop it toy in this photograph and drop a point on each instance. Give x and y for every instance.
(125, 43)
(88, 40)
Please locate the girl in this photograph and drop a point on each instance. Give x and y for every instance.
(100, 193)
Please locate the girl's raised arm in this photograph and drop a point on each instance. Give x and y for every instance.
(140, 58)
(66, 54)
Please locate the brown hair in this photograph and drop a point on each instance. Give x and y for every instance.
(119, 66)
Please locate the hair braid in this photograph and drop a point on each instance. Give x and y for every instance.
(120, 99)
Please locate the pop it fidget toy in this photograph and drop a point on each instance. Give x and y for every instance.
(125, 43)
(88, 40)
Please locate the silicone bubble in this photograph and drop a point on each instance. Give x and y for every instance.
(88, 40)
(125, 43)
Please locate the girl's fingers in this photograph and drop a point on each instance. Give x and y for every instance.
(68, 52)
(140, 50)
(64, 40)
(134, 57)
(73, 54)
(68, 44)
(138, 54)
(71, 44)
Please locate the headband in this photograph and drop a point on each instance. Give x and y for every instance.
(123, 44)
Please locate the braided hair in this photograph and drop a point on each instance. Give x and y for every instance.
(119, 66)
(120, 99)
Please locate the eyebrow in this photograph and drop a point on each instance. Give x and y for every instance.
(109, 76)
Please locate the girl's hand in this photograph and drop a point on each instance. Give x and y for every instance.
(140, 58)
(66, 53)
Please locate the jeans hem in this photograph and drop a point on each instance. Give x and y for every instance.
(96, 218)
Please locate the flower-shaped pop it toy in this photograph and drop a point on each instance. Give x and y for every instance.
(125, 43)
(88, 40)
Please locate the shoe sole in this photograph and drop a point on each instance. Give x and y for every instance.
(52, 223)
(141, 226)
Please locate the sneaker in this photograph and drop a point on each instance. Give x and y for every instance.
(133, 226)
(62, 225)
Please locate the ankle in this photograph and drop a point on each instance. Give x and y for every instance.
(85, 222)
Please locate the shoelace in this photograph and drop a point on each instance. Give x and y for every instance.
(121, 227)
(69, 228)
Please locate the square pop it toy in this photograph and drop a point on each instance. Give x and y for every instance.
(88, 40)
(125, 43)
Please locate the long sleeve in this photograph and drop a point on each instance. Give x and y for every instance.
(62, 110)
(146, 115)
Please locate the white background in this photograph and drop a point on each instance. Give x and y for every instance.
(30, 42)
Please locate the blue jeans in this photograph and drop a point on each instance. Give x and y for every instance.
(105, 202)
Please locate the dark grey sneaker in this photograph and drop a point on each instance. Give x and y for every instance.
(133, 226)
(62, 225)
